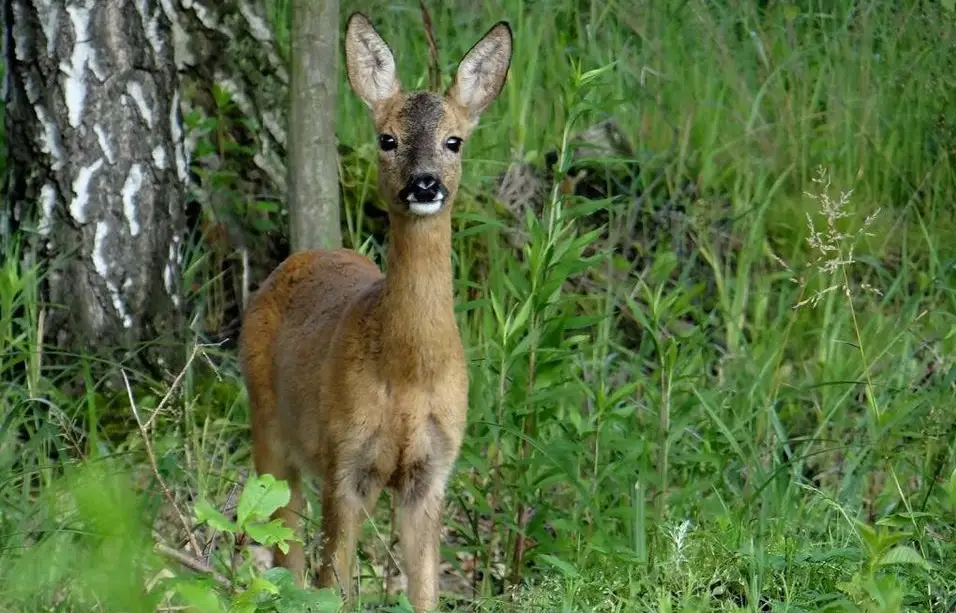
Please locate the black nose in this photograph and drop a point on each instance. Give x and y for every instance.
(423, 188)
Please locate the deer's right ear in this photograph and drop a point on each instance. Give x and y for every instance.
(369, 62)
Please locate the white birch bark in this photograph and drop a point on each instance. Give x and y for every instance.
(96, 163)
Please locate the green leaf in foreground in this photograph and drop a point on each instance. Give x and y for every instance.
(200, 595)
(258, 590)
(261, 496)
(273, 533)
(206, 513)
(295, 599)
(566, 568)
(904, 554)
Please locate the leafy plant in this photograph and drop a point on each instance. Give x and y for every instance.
(870, 589)
(250, 591)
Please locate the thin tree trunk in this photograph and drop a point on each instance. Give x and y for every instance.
(96, 165)
(313, 158)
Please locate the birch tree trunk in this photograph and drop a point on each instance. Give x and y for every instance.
(313, 158)
(96, 165)
(227, 44)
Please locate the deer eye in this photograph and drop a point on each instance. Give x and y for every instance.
(387, 142)
(454, 144)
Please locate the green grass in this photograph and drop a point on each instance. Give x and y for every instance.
(678, 437)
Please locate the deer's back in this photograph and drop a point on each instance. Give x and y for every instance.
(289, 334)
(315, 287)
(295, 313)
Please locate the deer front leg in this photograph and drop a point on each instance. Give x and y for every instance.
(419, 538)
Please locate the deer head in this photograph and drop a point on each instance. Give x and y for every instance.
(420, 133)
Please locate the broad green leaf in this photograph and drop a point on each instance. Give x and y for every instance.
(624, 391)
(904, 554)
(888, 539)
(261, 496)
(566, 568)
(294, 599)
(519, 320)
(248, 601)
(902, 520)
(243, 604)
(497, 310)
(279, 576)
(273, 533)
(206, 513)
(840, 606)
(871, 539)
(260, 585)
(199, 596)
(885, 590)
(583, 321)
(326, 601)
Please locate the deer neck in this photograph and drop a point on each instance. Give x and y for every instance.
(418, 301)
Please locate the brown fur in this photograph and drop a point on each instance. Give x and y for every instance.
(360, 378)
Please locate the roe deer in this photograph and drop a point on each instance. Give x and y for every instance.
(360, 378)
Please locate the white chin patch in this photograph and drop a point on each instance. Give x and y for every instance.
(425, 208)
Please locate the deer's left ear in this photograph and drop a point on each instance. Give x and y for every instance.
(482, 72)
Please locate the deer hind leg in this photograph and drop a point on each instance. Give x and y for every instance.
(270, 460)
(268, 446)
(419, 537)
(394, 574)
(343, 513)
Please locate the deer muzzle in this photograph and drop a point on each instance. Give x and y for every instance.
(424, 193)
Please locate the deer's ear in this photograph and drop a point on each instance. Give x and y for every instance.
(482, 72)
(369, 62)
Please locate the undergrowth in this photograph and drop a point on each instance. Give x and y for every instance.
(751, 415)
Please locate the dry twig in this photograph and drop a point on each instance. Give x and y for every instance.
(197, 350)
(434, 70)
(152, 462)
(192, 563)
(228, 507)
